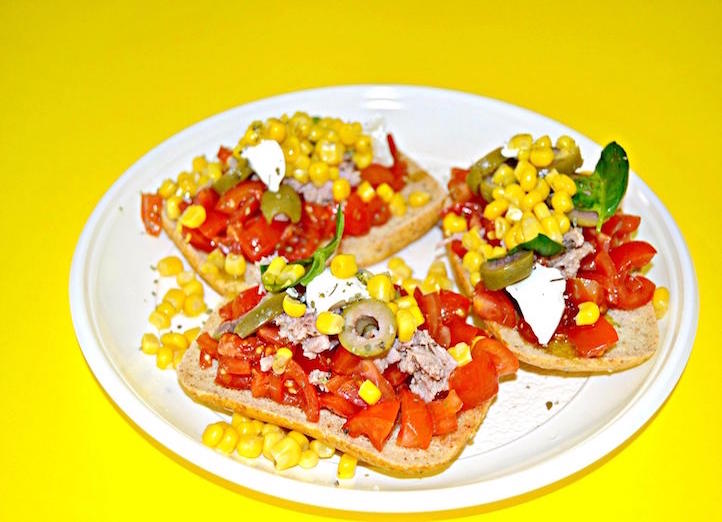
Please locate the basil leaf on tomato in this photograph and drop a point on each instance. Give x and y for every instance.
(541, 244)
(603, 190)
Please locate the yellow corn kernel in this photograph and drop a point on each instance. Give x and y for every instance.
(302, 163)
(172, 207)
(252, 427)
(406, 302)
(514, 214)
(503, 175)
(216, 257)
(166, 309)
(380, 287)
(193, 287)
(193, 216)
(170, 265)
(308, 460)
(333, 173)
(498, 251)
(514, 194)
(149, 344)
(588, 313)
(501, 225)
(510, 238)
(660, 301)
(543, 141)
(563, 183)
(329, 323)
(291, 273)
(348, 133)
(164, 357)
(275, 130)
(215, 171)
(194, 305)
(365, 191)
(397, 205)
(496, 208)
(438, 269)
(275, 267)
(399, 268)
(541, 156)
(520, 141)
(393, 307)
(497, 193)
(409, 285)
(406, 325)
(286, 453)
(562, 202)
(525, 173)
(209, 269)
(429, 285)
(300, 175)
(341, 189)
(461, 353)
(318, 173)
(416, 313)
(331, 152)
(237, 419)
(191, 334)
(486, 251)
(228, 441)
(199, 163)
(346, 466)
(270, 440)
(419, 198)
(322, 450)
(530, 227)
(369, 392)
(542, 187)
(565, 142)
(213, 434)
(362, 159)
(474, 278)
(187, 184)
(235, 265)
(385, 192)
(363, 143)
(531, 199)
(174, 340)
(271, 428)
(177, 357)
(184, 278)
(472, 261)
(564, 223)
(175, 297)
(344, 266)
(280, 360)
(300, 438)
(167, 188)
(471, 240)
(293, 307)
(551, 229)
(250, 446)
(203, 180)
(159, 320)
(541, 210)
(453, 224)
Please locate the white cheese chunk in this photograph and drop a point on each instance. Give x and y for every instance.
(541, 299)
(326, 291)
(268, 162)
(376, 128)
(509, 153)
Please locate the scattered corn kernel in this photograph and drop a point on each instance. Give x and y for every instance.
(380, 287)
(520, 141)
(453, 224)
(250, 446)
(329, 323)
(397, 205)
(385, 192)
(419, 198)
(252, 427)
(169, 266)
(346, 466)
(514, 194)
(406, 325)
(472, 261)
(322, 450)
(474, 278)
(177, 357)
(563, 183)
(228, 441)
(344, 266)
(215, 171)
(530, 226)
(543, 141)
(193, 216)
(496, 208)
(525, 173)
(280, 360)
(399, 268)
(164, 357)
(167, 188)
(461, 353)
(318, 173)
(551, 229)
(369, 392)
(184, 278)
(416, 313)
(194, 305)
(286, 453)
(270, 428)
(175, 297)
(213, 433)
(293, 307)
(209, 269)
(514, 214)
(562, 202)
(503, 175)
(149, 343)
(541, 210)
(270, 440)
(238, 418)
(366, 191)
(409, 285)
(300, 438)
(193, 287)
(660, 301)
(308, 460)
(472, 240)
(235, 265)
(588, 313)
(174, 340)
(531, 199)
(563, 221)
(565, 142)
(159, 320)
(172, 207)
(341, 189)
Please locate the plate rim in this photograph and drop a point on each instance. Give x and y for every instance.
(547, 472)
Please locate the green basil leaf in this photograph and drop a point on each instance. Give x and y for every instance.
(541, 244)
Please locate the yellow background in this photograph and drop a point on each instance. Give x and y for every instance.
(86, 89)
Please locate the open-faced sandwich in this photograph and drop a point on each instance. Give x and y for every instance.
(397, 380)
(277, 192)
(550, 259)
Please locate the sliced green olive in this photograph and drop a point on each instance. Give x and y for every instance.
(369, 329)
(505, 271)
(584, 218)
(566, 161)
(285, 201)
(483, 168)
(226, 182)
(487, 189)
(269, 308)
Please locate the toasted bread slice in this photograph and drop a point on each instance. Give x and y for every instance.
(637, 330)
(378, 244)
(200, 385)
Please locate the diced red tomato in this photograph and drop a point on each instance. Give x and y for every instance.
(377, 174)
(358, 216)
(151, 207)
(620, 226)
(366, 369)
(239, 196)
(453, 305)
(319, 217)
(310, 403)
(395, 376)
(259, 238)
(376, 422)
(223, 154)
(443, 413)
(476, 381)
(237, 382)
(582, 290)
(241, 304)
(461, 331)
(231, 345)
(267, 384)
(416, 424)
(268, 334)
(207, 198)
(399, 166)
(209, 350)
(346, 387)
(234, 366)
(526, 332)
(344, 362)
(458, 189)
(215, 223)
(632, 255)
(504, 360)
(319, 363)
(379, 211)
(338, 405)
(298, 242)
(495, 306)
(457, 248)
(430, 306)
(633, 291)
(197, 239)
(593, 340)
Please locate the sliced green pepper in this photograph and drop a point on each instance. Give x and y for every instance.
(269, 308)
(566, 162)
(505, 271)
(285, 201)
(483, 168)
(226, 182)
(541, 244)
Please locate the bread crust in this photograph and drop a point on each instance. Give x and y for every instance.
(200, 385)
(380, 243)
(637, 331)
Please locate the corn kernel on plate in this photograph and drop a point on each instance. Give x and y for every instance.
(543, 427)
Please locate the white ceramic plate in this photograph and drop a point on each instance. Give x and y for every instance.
(522, 445)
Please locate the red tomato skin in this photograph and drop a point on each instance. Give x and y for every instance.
(582, 290)
(494, 306)
(395, 376)
(259, 239)
(416, 426)
(593, 340)
(241, 304)
(633, 291)
(207, 198)
(632, 255)
(461, 331)
(379, 211)
(443, 413)
(238, 196)
(209, 350)
(197, 240)
(476, 381)
(344, 362)
(620, 226)
(338, 405)
(215, 223)
(366, 369)
(268, 385)
(453, 305)
(377, 174)
(236, 382)
(151, 207)
(346, 387)
(310, 403)
(376, 422)
(505, 362)
(358, 217)
(223, 154)
(234, 366)
(457, 248)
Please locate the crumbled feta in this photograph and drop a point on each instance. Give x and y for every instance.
(376, 128)
(326, 291)
(268, 162)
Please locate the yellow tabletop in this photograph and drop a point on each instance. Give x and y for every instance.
(87, 87)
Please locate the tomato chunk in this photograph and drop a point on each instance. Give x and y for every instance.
(443, 413)
(377, 174)
(234, 366)
(366, 369)
(620, 226)
(310, 403)
(593, 340)
(344, 362)
(461, 331)
(267, 384)
(258, 238)
(241, 304)
(476, 381)
(416, 424)
(207, 198)
(505, 361)
(632, 255)
(376, 422)
(223, 154)
(240, 195)
(453, 305)
(495, 306)
(151, 207)
(209, 350)
(215, 223)
(197, 239)
(430, 306)
(395, 376)
(338, 405)
(633, 291)
(358, 217)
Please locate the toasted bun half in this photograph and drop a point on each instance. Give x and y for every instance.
(199, 384)
(378, 244)
(637, 330)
